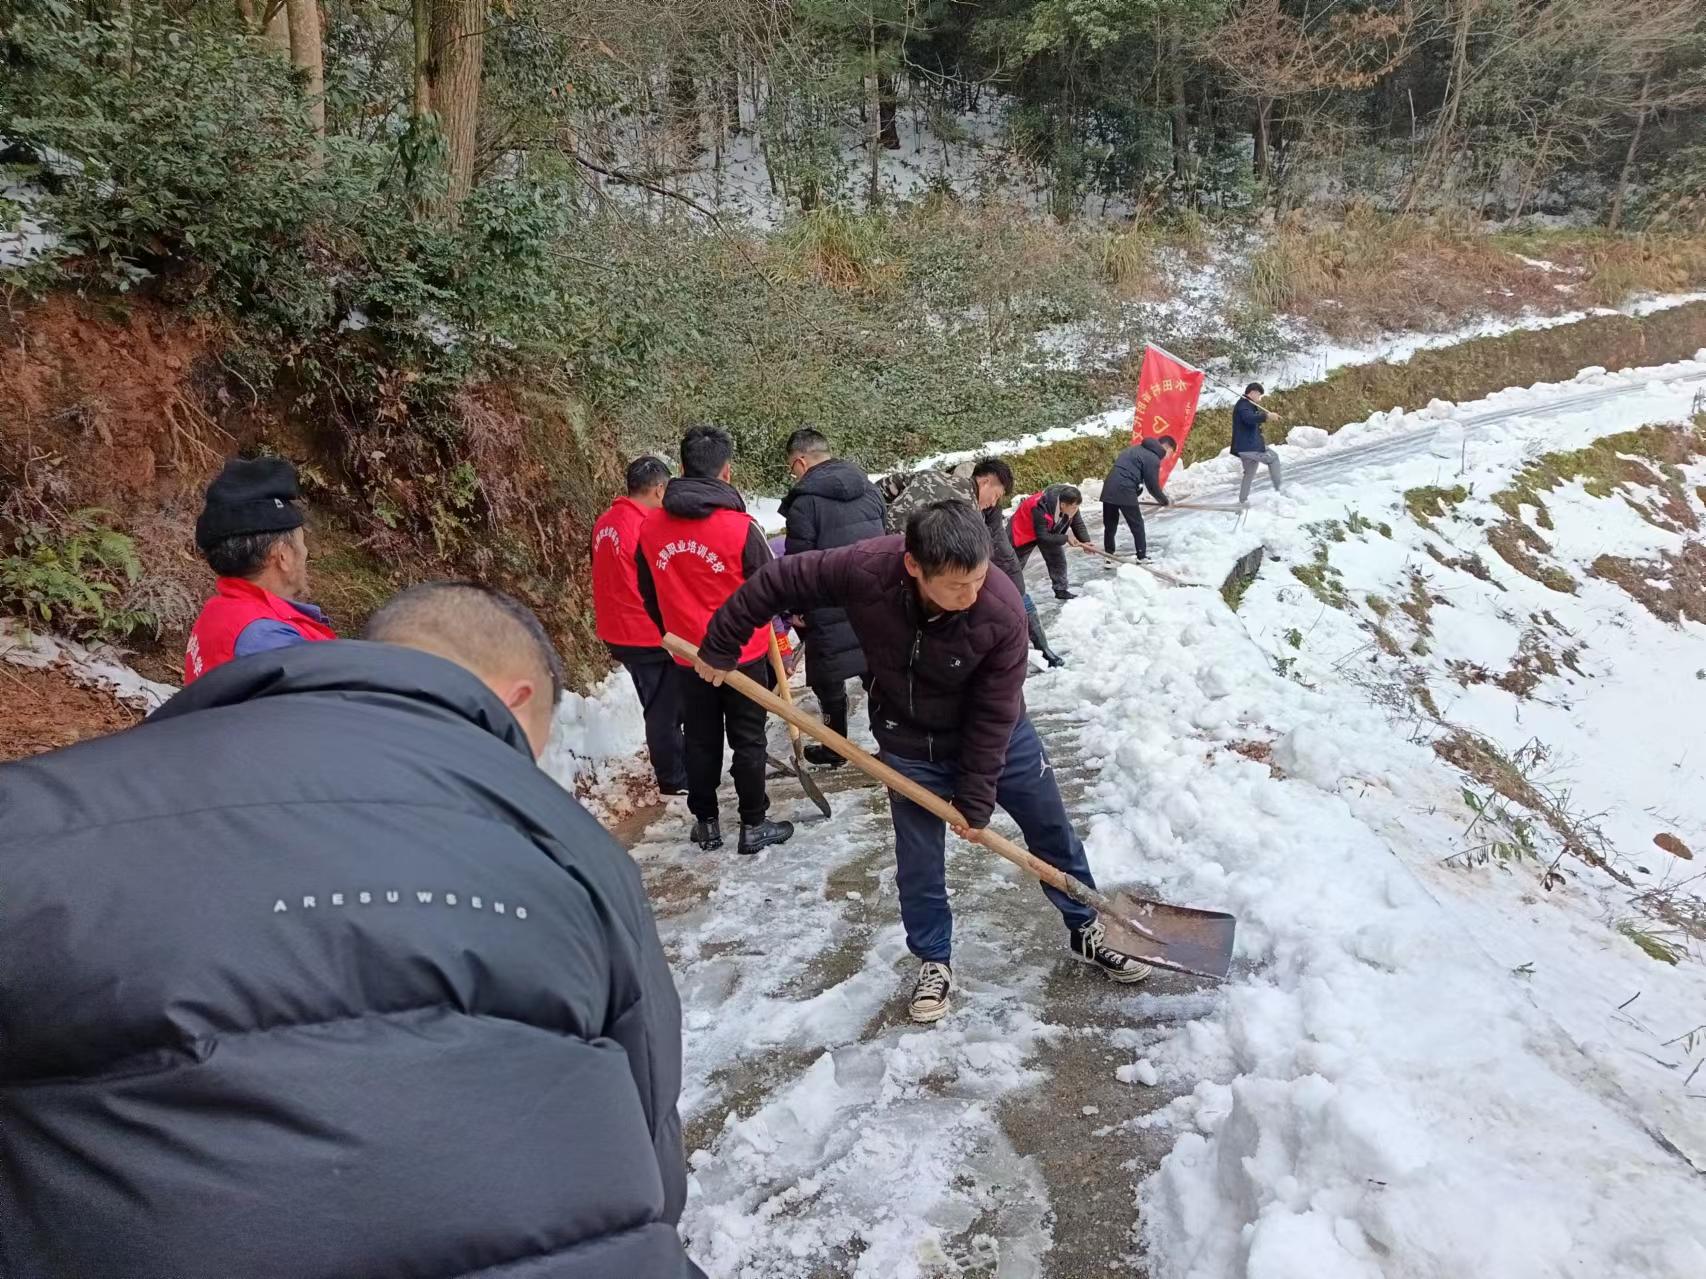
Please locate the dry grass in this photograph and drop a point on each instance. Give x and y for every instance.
(1525, 551)
(1672, 587)
(1375, 271)
(1513, 779)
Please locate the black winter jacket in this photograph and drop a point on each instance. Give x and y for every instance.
(834, 504)
(947, 688)
(316, 975)
(1137, 468)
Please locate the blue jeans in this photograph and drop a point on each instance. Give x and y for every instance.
(1026, 790)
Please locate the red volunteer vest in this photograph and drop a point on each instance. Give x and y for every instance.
(213, 638)
(621, 614)
(1023, 526)
(696, 565)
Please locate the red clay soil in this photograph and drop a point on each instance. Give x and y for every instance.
(117, 393)
(41, 710)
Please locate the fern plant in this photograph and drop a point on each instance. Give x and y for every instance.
(72, 577)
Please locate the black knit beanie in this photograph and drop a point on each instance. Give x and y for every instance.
(251, 495)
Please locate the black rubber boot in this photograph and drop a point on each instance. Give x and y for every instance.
(763, 834)
(1053, 658)
(708, 835)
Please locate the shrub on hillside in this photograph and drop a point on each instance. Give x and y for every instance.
(70, 575)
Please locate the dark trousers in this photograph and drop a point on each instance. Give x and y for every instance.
(1034, 624)
(831, 700)
(1054, 555)
(709, 712)
(1111, 526)
(1027, 792)
(660, 699)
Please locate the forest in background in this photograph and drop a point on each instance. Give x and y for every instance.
(461, 255)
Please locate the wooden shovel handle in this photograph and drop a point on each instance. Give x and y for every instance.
(781, 669)
(925, 798)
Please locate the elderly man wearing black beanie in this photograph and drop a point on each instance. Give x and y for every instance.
(250, 532)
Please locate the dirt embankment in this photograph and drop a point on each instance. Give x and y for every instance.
(131, 407)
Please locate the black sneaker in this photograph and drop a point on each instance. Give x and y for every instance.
(1090, 944)
(708, 835)
(1066, 595)
(672, 790)
(1053, 658)
(763, 834)
(822, 755)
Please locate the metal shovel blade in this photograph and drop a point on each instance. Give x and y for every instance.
(1182, 938)
(813, 793)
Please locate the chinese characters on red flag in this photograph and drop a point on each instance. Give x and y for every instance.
(1167, 390)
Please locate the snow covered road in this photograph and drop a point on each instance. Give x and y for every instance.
(1421, 1066)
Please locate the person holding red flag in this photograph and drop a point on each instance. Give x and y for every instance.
(1136, 469)
(1049, 521)
(628, 630)
(1248, 445)
(250, 532)
(694, 552)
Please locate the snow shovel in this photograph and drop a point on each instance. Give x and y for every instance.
(1114, 559)
(1182, 938)
(799, 767)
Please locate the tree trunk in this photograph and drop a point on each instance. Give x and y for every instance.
(306, 56)
(1259, 162)
(277, 27)
(1445, 127)
(731, 102)
(890, 129)
(683, 107)
(874, 119)
(450, 85)
(1181, 112)
(1615, 217)
(423, 59)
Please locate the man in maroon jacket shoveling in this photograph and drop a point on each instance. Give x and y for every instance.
(946, 643)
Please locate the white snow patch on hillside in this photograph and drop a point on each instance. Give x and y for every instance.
(1424, 1069)
(100, 666)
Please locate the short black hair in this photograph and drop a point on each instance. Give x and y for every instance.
(464, 622)
(242, 554)
(1070, 496)
(1169, 441)
(996, 467)
(947, 534)
(646, 472)
(807, 442)
(1257, 387)
(705, 450)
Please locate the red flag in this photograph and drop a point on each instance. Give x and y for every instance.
(1167, 391)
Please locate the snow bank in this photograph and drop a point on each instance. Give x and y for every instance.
(597, 746)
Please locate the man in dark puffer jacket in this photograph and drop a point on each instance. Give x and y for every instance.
(315, 975)
(833, 503)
